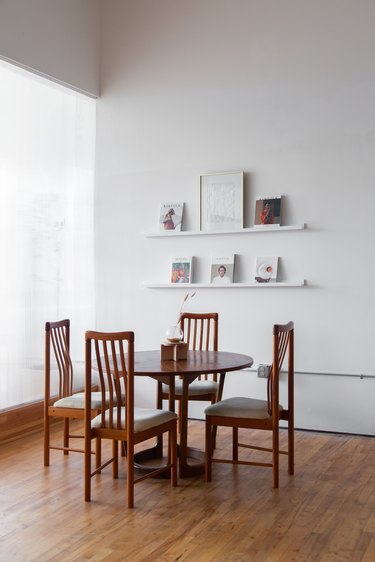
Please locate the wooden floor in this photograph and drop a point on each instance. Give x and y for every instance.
(325, 512)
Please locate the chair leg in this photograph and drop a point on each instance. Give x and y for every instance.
(290, 449)
(123, 448)
(214, 429)
(179, 415)
(275, 456)
(115, 458)
(130, 474)
(46, 440)
(87, 469)
(235, 443)
(172, 454)
(98, 452)
(66, 434)
(208, 470)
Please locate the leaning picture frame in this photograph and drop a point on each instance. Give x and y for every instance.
(221, 201)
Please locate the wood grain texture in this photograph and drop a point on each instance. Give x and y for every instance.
(325, 512)
(16, 421)
(149, 363)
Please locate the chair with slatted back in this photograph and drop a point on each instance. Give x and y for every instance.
(65, 404)
(200, 332)
(249, 413)
(112, 356)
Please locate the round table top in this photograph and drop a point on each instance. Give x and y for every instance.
(197, 362)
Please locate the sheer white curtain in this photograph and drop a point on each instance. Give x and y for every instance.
(47, 151)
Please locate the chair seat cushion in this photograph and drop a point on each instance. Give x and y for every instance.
(144, 418)
(78, 401)
(240, 407)
(195, 388)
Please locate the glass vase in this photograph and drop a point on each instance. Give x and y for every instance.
(174, 334)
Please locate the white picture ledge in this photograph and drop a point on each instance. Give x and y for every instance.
(250, 230)
(277, 285)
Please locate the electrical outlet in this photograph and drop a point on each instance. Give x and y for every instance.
(263, 371)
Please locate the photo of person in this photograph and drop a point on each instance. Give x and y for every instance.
(170, 216)
(268, 211)
(222, 270)
(266, 215)
(168, 220)
(221, 278)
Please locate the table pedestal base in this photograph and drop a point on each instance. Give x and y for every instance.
(187, 469)
(143, 461)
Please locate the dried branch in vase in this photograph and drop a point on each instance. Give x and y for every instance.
(187, 297)
(174, 333)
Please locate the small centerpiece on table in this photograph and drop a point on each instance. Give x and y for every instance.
(174, 348)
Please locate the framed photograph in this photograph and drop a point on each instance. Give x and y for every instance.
(182, 269)
(266, 269)
(268, 211)
(221, 201)
(222, 269)
(170, 216)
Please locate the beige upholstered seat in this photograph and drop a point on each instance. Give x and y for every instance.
(121, 421)
(78, 401)
(241, 407)
(144, 418)
(196, 388)
(249, 413)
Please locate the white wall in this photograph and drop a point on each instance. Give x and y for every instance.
(284, 91)
(56, 38)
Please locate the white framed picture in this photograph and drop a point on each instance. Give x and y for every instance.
(170, 216)
(266, 269)
(222, 269)
(221, 201)
(182, 269)
(268, 211)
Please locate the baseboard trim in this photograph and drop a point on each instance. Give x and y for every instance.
(26, 418)
(16, 421)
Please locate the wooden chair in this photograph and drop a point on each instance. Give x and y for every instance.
(66, 405)
(114, 359)
(259, 414)
(200, 333)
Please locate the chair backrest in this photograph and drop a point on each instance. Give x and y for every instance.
(201, 331)
(283, 342)
(58, 334)
(111, 354)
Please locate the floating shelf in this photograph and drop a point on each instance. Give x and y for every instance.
(276, 285)
(250, 230)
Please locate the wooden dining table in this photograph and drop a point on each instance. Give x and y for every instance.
(149, 363)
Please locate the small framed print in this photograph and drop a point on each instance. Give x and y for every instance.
(222, 269)
(170, 216)
(268, 211)
(221, 201)
(266, 269)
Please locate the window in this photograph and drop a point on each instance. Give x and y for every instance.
(47, 151)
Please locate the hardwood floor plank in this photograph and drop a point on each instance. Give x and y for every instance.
(324, 513)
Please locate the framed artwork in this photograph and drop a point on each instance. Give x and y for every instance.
(266, 269)
(170, 216)
(181, 270)
(222, 269)
(221, 201)
(268, 211)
